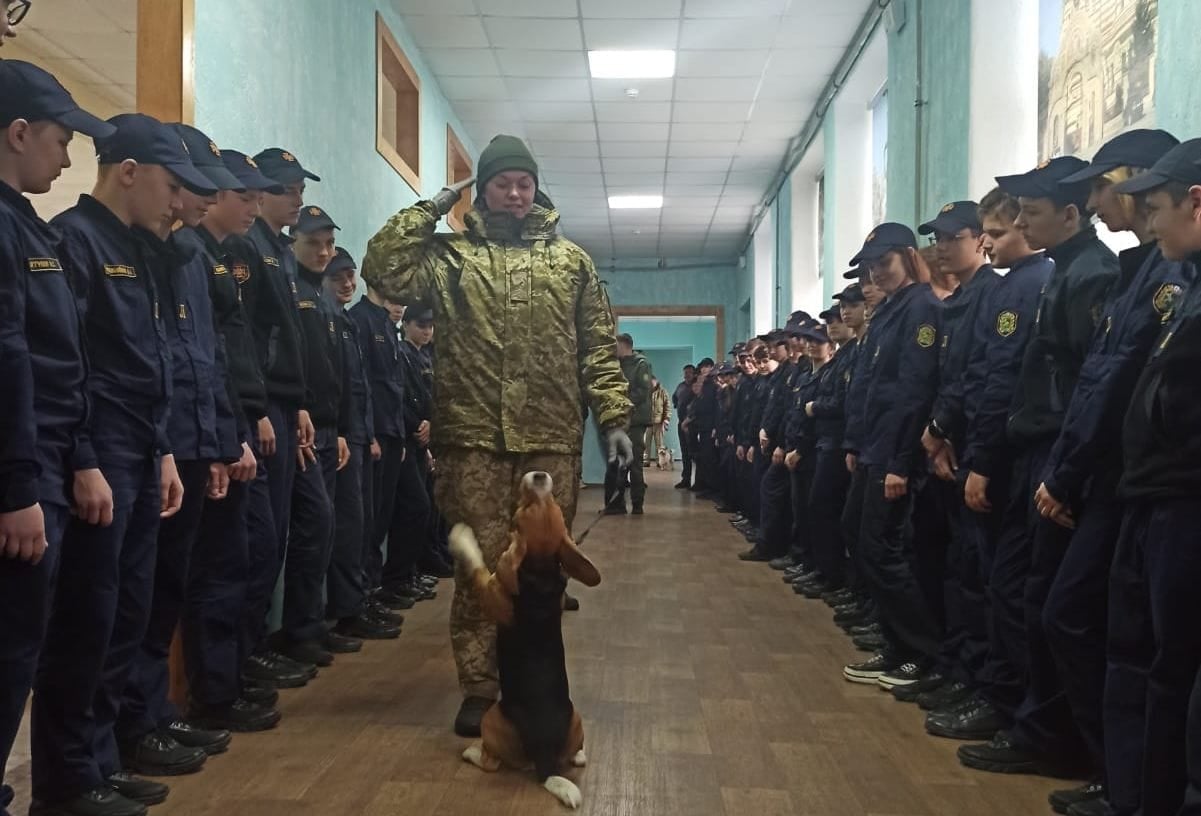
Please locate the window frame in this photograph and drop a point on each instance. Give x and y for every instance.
(384, 39)
(455, 150)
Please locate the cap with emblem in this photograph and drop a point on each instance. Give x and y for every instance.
(1134, 148)
(852, 294)
(1047, 181)
(817, 334)
(313, 219)
(831, 315)
(246, 170)
(206, 157)
(341, 260)
(953, 217)
(33, 94)
(1180, 165)
(146, 140)
(883, 240)
(280, 165)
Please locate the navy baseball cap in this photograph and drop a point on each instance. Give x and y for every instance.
(246, 170)
(277, 163)
(421, 313)
(953, 217)
(340, 261)
(313, 219)
(206, 157)
(1180, 164)
(858, 273)
(852, 294)
(146, 140)
(1134, 148)
(1047, 181)
(831, 315)
(33, 94)
(883, 240)
(818, 334)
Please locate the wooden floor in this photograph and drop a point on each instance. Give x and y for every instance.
(706, 687)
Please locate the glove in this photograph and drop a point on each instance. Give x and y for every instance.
(621, 450)
(447, 197)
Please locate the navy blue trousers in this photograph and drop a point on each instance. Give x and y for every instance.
(310, 541)
(344, 583)
(269, 510)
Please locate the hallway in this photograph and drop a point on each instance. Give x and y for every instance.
(706, 687)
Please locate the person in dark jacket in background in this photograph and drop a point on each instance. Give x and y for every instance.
(681, 399)
(637, 371)
(1055, 216)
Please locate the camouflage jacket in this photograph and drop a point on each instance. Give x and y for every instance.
(526, 332)
(637, 371)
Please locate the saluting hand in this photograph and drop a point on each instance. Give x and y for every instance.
(343, 452)
(93, 497)
(23, 534)
(170, 488)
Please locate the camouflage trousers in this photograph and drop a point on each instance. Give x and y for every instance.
(479, 488)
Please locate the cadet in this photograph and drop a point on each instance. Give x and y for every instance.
(376, 331)
(269, 295)
(303, 636)
(203, 431)
(1005, 326)
(107, 572)
(775, 484)
(346, 593)
(1054, 215)
(680, 399)
(902, 373)
(409, 522)
(44, 400)
(959, 241)
(1154, 645)
(746, 438)
(218, 576)
(637, 371)
(829, 477)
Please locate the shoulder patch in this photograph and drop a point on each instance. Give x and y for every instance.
(926, 335)
(1165, 297)
(120, 271)
(241, 272)
(306, 304)
(1007, 323)
(220, 269)
(271, 261)
(44, 265)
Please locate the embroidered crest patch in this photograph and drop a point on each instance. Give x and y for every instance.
(1007, 323)
(1165, 297)
(926, 335)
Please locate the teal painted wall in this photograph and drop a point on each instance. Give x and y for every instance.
(675, 286)
(946, 39)
(300, 74)
(1177, 67)
(782, 220)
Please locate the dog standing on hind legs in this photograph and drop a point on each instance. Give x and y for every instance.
(534, 724)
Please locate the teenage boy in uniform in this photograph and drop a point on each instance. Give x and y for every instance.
(1054, 216)
(44, 402)
(106, 576)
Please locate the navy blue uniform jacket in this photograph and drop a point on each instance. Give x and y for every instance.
(829, 403)
(376, 334)
(319, 324)
(266, 271)
(43, 402)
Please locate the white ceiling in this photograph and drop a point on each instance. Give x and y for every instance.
(89, 43)
(709, 140)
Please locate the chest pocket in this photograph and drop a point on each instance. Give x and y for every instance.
(519, 265)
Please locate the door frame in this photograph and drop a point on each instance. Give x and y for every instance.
(718, 313)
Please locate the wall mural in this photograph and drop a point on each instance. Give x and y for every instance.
(1096, 72)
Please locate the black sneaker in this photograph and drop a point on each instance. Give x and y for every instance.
(1091, 807)
(683, 485)
(337, 643)
(839, 597)
(305, 651)
(158, 754)
(999, 755)
(471, 713)
(725, 509)
(367, 627)
(259, 693)
(907, 674)
(262, 668)
(394, 600)
(570, 603)
(100, 801)
(870, 643)
(136, 789)
(240, 716)
(852, 615)
(305, 666)
(784, 562)
(214, 741)
(810, 589)
(870, 671)
(636, 510)
(377, 611)
(930, 681)
(426, 580)
(1061, 800)
(944, 696)
(979, 721)
(865, 629)
(754, 554)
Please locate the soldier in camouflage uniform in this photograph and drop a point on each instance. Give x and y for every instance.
(528, 337)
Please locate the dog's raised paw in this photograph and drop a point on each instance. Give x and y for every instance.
(565, 791)
(580, 759)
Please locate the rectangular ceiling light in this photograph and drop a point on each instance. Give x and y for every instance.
(632, 64)
(635, 202)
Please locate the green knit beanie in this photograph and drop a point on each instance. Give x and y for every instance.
(504, 153)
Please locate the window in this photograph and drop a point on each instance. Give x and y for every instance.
(458, 167)
(398, 107)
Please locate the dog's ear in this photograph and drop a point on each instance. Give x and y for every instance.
(577, 565)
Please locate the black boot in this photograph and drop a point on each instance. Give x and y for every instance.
(471, 714)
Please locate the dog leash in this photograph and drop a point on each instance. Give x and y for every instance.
(610, 500)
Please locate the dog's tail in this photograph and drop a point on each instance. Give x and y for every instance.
(465, 548)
